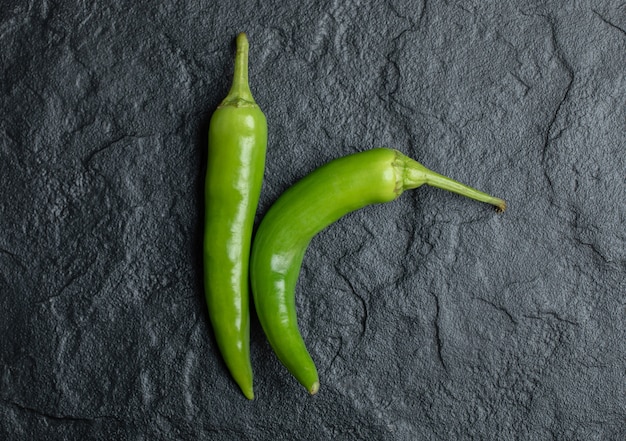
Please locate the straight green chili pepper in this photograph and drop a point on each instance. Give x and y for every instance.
(319, 199)
(235, 165)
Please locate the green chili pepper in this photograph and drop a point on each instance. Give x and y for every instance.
(236, 161)
(328, 193)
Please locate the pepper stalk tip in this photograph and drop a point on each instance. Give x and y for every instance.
(500, 206)
(242, 41)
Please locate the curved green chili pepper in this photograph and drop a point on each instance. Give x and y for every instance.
(319, 199)
(236, 160)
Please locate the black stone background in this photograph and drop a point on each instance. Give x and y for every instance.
(431, 317)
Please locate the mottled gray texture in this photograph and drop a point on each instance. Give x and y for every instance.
(431, 317)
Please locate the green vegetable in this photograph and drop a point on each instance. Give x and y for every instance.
(236, 161)
(319, 199)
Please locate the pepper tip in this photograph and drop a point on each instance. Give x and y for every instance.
(249, 394)
(314, 388)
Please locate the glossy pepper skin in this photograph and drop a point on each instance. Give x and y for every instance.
(319, 199)
(235, 166)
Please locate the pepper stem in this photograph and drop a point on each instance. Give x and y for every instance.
(240, 89)
(416, 175)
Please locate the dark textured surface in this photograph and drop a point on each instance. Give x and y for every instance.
(430, 317)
